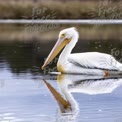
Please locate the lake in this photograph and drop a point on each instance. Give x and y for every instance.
(25, 97)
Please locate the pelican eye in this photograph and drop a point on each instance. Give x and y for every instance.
(63, 36)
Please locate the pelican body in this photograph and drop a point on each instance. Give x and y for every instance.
(90, 63)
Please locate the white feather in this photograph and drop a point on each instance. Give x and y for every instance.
(85, 63)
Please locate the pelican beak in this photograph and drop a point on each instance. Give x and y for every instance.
(55, 51)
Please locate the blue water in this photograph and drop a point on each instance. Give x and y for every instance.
(25, 98)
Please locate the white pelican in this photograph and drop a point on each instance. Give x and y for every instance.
(93, 63)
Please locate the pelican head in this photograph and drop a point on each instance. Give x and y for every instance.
(65, 37)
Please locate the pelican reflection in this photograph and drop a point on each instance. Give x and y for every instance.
(85, 84)
(88, 84)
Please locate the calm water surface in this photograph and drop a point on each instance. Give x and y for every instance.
(25, 98)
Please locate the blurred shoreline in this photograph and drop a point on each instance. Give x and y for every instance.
(54, 9)
(46, 33)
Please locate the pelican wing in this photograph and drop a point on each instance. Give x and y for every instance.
(94, 60)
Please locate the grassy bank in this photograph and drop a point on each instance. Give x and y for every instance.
(60, 10)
